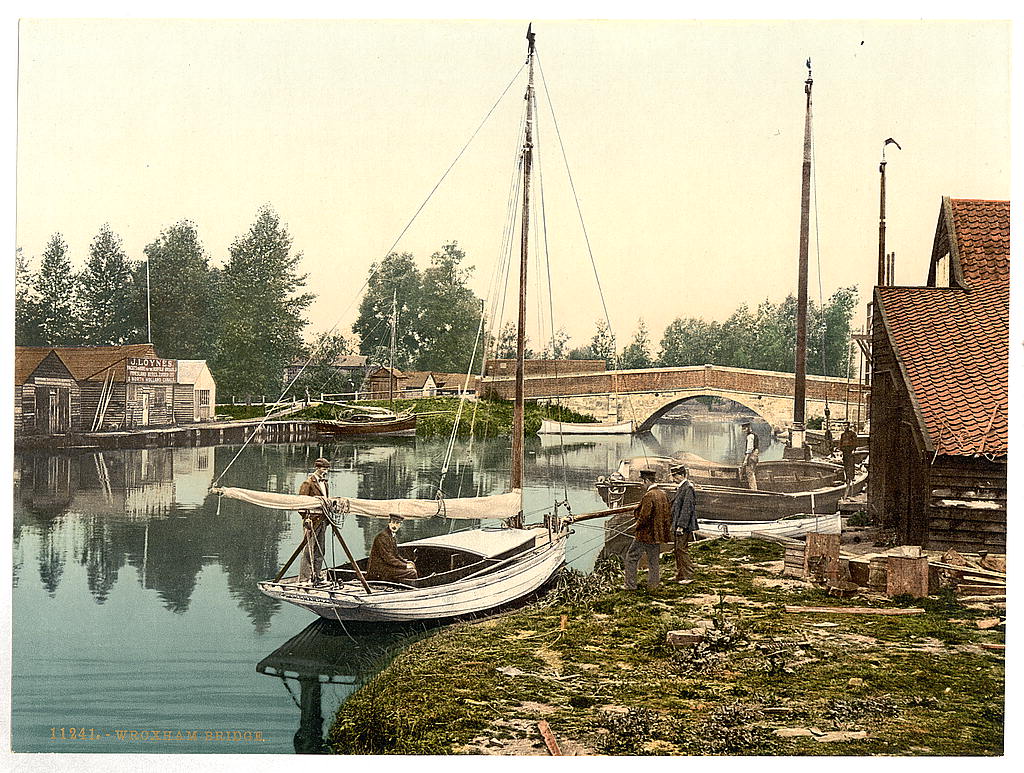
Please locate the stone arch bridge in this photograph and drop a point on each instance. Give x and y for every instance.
(646, 395)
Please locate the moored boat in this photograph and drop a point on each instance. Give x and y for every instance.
(402, 424)
(549, 427)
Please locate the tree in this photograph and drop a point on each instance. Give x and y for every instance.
(27, 323)
(449, 313)
(105, 291)
(557, 347)
(603, 344)
(181, 307)
(396, 277)
(261, 323)
(828, 334)
(320, 375)
(638, 353)
(689, 342)
(55, 289)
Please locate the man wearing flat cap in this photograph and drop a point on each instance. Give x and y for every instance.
(653, 527)
(314, 524)
(385, 562)
(750, 456)
(684, 522)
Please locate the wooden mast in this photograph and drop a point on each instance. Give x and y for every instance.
(517, 421)
(800, 385)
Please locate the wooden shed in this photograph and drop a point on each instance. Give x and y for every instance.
(940, 388)
(195, 395)
(47, 399)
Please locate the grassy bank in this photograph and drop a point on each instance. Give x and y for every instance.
(436, 415)
(765, 682)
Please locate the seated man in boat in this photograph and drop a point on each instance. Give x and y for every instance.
(385, 562)
(653, 527)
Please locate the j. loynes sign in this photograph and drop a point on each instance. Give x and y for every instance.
(142, 370)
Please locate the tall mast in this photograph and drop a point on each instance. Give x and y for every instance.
(391, 374)
(884, 276)
(800, 385)
(517, 420)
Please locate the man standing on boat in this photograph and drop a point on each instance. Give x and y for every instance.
(653, 527)
(684, 523)
(385, 563)
(847, 445)
(750, 455)
(314, 523)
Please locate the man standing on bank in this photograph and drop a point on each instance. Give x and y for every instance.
(385, 563)
(684, 523)
(847, 445)
(314, 524)
(750, 455)
(653, 527)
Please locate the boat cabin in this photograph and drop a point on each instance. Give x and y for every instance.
(450, 557)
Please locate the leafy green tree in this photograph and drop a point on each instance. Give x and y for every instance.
(689, 342)
(638, 353)
(396, 277)
(180, 293)
(320, 375)
(55, 289)
(261, 323)
(27, 323)
(449, 313)
(736, 342)
(105, 291)
(828, 333)
(603, 344)
(585, 352)
(557, 347)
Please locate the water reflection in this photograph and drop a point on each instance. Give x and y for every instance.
(328, 653)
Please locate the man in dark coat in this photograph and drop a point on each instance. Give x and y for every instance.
(847, 445)
(385, 562)
(684, 523)
(653, 527)
(314, 524)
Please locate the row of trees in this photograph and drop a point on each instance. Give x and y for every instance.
(246, 319)
(764, 339)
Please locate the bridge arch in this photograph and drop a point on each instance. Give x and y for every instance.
(756, 404)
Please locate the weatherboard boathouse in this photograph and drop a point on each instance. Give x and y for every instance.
(76, 389)
(940, 388)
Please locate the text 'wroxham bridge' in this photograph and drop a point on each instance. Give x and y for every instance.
(646, 395)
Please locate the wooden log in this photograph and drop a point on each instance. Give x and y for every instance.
(549, 738)
(986, 599)
(878, 569)
(857, 610)
(907, 576)
(821, 556)
(997, 647)
(981, 590)
(858, 571)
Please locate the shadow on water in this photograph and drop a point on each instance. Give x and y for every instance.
(331, 652)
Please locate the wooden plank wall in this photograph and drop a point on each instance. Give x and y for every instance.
(184, 404)
(967, 505)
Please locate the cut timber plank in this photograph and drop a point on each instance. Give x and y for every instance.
(907, 576)
(857, 610)
(971, 571)
(549, 738)
(982, 590)
(998, 647)
(821, 558)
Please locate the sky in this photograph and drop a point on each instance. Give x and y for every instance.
(683, 138)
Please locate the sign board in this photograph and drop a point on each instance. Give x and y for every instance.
(143, 370)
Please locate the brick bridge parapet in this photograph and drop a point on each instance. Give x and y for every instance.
(644, 395)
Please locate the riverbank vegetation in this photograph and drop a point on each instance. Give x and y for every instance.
(592, 660)
(480, 418)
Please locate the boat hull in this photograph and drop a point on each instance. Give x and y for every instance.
(402, 426)
(387, 603)
(548, 427)
(728, 503)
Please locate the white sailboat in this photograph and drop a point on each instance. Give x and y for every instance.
(459, 573)
(551, 427)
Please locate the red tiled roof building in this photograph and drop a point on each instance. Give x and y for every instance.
(940, 387)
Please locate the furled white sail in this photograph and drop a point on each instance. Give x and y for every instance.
(476, 508)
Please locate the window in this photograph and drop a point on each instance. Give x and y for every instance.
(159, 396)
(203, 397)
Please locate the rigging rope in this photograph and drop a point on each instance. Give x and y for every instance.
(367, 281)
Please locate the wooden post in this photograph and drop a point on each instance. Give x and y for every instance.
(355, 566)
(907, 576)
(821, 558)
(292, 559)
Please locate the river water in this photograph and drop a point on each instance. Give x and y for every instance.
(136, 615)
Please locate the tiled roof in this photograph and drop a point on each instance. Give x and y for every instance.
(953, 345)
(90, 363)
(26, 360)
(982, 231)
